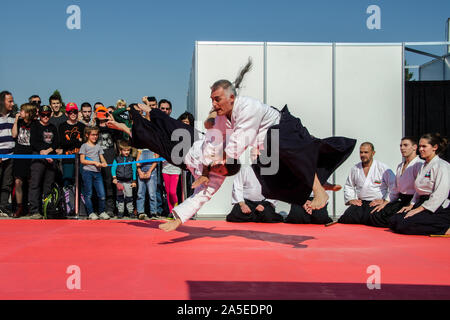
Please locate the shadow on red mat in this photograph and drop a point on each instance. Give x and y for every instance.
(193, 233)
(233, 290)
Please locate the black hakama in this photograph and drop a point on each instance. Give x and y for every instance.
(301, 156)
(298, 215)
(423, 223)
(268, 215)
(156, 135)
(381, 218)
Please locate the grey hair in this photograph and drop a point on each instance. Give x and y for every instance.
(233, 87)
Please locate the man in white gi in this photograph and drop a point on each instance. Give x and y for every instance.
(249, 205)
(403, 190)
(367, 186)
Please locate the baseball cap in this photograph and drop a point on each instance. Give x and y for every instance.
(101, 112)
(71, 106)
(45, 108)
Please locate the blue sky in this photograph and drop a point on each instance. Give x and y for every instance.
(129, 49)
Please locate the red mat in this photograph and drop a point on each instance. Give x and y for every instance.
(217, 260)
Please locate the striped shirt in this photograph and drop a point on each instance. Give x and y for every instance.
(7, 142)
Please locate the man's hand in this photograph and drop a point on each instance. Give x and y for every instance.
(260, 208)
(143, 107)
(114, 181)
(380, 207)
(376, 202)
(405, 209)
(245, 208)
(202, 180)
(414, 212)
(356, 202)
(133, 185)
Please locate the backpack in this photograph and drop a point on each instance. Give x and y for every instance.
(52, 203)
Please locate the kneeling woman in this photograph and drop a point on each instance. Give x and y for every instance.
(429, 211)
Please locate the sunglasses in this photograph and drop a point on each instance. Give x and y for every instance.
(72, 112)
(45, 114)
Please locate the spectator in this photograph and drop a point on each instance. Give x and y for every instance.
(124, 177)
(107, 141)
(58, 115)
(71, 139)
(120, 114)
(150, 101)
(35, 100)
(188, 119)
(21, 132)
(170, 173)
(6, 148)
(85, 117)
(91, 157)
(44, 141)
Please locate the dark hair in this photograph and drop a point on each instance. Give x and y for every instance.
(164, 101)
(152, 99)
(85, 105)
(410, 138)
(232, 168)
(32, 97)
(97, 103)
(3, 95)
(368, 144)
(189, 116)
(436, 139)
(54, 97)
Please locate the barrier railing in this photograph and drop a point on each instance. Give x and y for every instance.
(77, 170)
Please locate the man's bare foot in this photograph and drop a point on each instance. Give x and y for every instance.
(448, 232)
(170, 225)
(332, 187)
(320, 199)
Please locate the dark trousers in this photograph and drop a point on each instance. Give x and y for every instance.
(423, 223)
(298, 215)
(6, 176)
(268, 215)
(357, 214)
(381, 219)
(42, 176)
(110, 188)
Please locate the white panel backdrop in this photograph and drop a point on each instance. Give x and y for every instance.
(368, 94)
(369, 103)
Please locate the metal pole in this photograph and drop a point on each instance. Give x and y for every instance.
(77, 184)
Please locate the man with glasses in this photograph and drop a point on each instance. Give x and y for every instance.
(6, 147)
(35, 99)
(71, 139)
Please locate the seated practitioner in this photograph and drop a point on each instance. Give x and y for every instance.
(429, 210)
(403, 191)
(249, 205)
(124, 177)
(366, 187)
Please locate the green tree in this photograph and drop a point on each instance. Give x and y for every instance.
(408, 74)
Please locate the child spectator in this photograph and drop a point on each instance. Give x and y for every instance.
(71, 138)
(21, 132)
(44, 141)
(91, 157)
(147, 183)
(124, 177)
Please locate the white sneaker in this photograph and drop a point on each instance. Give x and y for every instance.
(93, 216)
(104, 216)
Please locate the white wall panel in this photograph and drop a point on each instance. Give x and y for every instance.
(369, 103)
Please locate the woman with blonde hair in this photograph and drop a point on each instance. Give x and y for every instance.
(21, 167)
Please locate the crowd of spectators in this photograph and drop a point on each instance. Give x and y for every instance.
(109, 189)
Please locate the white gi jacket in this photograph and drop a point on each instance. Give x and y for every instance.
(434, 180)
(404, 183)
(379, 181)
(249, 123)
(194, 161)
(246, 186)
